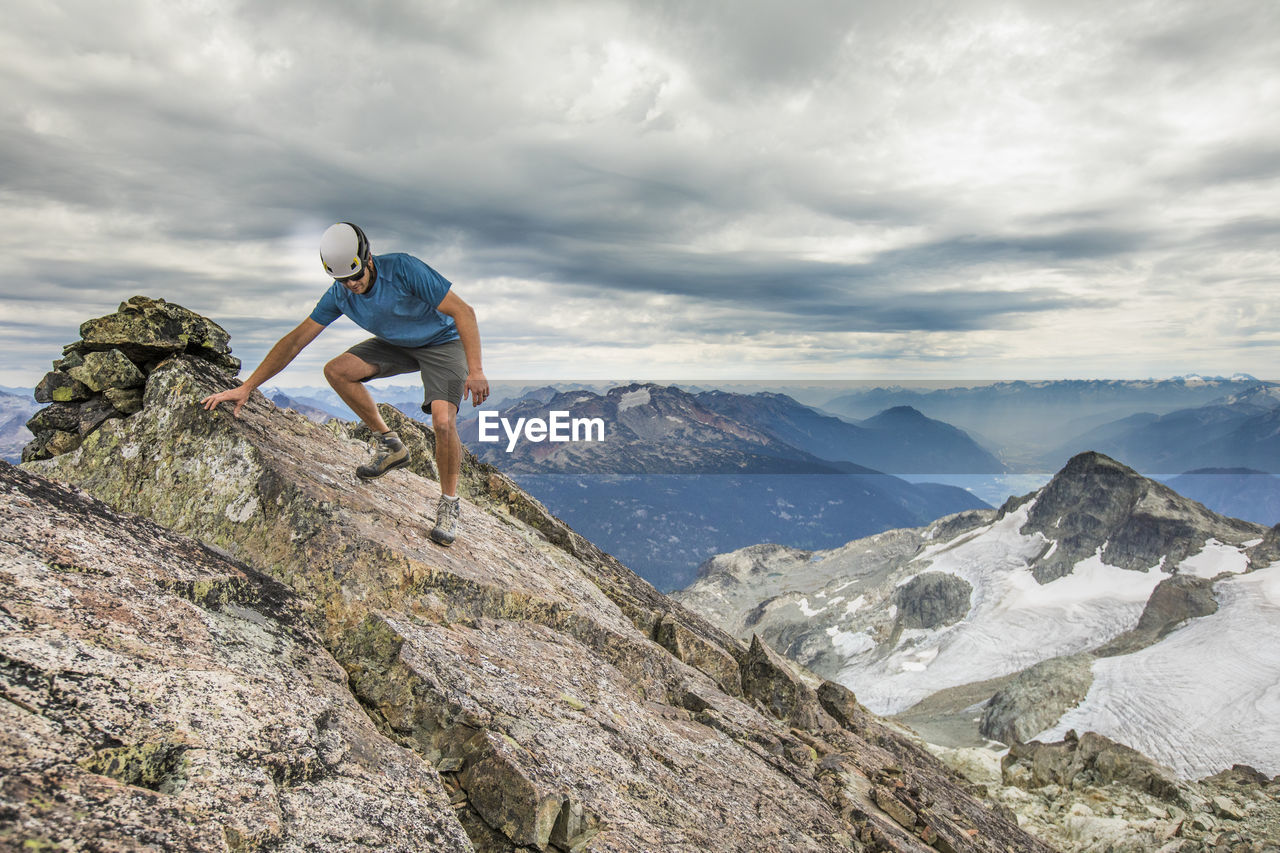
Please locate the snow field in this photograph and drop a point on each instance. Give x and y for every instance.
(1013, 621)
(1214, 559)
(1205, 697)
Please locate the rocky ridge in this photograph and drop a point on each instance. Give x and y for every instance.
(561, 702)
(159, 695)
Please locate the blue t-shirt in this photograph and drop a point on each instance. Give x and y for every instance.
(401, 307)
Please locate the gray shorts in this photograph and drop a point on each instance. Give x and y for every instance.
(443, 367)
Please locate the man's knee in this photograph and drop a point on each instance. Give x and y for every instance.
(348, 368)
(444, 417)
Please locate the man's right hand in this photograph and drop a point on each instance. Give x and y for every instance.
(239, 396)
(284, 351)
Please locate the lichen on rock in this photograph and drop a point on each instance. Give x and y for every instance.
(108, 369)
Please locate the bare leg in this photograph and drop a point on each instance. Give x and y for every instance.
(444, 420)
(345, 374)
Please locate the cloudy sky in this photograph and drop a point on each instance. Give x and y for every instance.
(664, 190)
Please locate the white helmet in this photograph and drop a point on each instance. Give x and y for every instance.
(344, 250)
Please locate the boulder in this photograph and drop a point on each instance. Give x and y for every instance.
(110, 369)
(506, 795)
(59, 416)
(72, 356)
(49, 443)
(93, 412)
(841, 703)
(933, 600)
(1174, 601)
(1088, 759)
(126, 401)
(60, 387)
(768, 679)
(699, 653)
(1037, 698)
(147, 330)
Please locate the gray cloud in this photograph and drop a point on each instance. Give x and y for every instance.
(1248, 162)
(1245, 232)
(762, 169)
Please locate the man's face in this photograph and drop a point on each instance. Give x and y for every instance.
(360, 283)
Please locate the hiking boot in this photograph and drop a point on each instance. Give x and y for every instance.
(446, 529)
(391, 454)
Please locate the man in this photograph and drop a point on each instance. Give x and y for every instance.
(419, 324)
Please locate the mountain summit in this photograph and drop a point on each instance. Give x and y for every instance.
(521, 690)
(1096, 506)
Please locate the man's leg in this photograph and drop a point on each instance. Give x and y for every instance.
(444, 420)
(346, 375)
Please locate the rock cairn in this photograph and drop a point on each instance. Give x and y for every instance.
(102, 375)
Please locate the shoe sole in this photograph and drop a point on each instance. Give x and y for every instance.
(441, 542)
(393, 466)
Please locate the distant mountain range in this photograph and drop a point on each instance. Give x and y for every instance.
(1029, 420)
(654, 429)
(986, 429)
(307, 410)
(899, 440)
(15, 411)
(1103, 602)
(1237, 492)
(1161, 427)
(681, 476)
(1241, 430)
(649, 429)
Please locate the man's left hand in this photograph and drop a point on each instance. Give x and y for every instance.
(478, 387)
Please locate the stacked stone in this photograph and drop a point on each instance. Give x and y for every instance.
(102, 375)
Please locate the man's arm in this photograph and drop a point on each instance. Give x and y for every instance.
(469, 333)
(285, 351)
